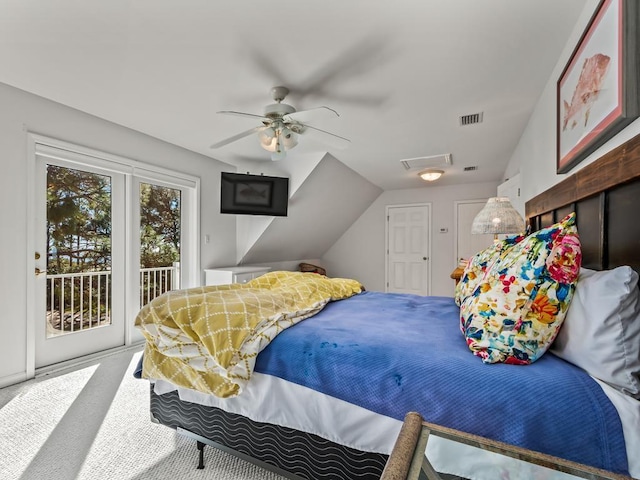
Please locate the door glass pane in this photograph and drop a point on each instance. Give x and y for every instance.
(159, 240)
(78, 250)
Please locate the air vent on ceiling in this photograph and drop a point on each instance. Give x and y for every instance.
(470, 169)
(471, 119)
(427, 162)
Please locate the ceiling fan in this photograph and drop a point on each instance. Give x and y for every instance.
(282, 124)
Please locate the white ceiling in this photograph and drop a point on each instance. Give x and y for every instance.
(400, 73)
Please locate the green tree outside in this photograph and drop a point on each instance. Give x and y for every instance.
(79, 217)
(159, 225)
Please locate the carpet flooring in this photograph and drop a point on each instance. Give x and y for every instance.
(92, 423)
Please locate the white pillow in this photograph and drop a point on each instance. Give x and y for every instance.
(601, 332)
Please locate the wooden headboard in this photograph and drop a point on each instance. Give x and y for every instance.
(606, 198)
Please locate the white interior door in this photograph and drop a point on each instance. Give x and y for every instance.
(468, 244)
(408, 249)
(79, 259)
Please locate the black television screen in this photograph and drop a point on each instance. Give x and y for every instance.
(242, 193)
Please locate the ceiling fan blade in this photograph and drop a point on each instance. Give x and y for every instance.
(326, 137)
(311, 115)
(359, 59)
(242, 114)
(238, 137)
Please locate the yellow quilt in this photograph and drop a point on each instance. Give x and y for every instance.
(207, 338)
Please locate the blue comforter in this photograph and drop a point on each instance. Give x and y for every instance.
(394, 353)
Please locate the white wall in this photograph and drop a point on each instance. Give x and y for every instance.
(297, 167)
(21, 112)
(360, 252)
(535, 155)
(329, 200)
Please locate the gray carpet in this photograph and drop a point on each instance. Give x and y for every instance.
(93, 423)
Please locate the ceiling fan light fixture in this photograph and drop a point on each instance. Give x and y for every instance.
(268, 139)
(281, 125)
(289, 139)
(431, 174)
(269, 144)
(278, 154)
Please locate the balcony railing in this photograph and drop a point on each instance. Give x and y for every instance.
(156, 281)
(80, 301)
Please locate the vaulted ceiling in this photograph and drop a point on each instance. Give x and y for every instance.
(399, 73)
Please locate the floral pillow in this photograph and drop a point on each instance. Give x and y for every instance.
(516, 309)
(478, 265)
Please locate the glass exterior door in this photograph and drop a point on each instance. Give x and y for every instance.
(160, 239)
(79, 260)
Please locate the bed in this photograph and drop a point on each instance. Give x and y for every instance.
(312, 412)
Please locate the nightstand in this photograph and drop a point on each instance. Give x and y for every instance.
(457, 274)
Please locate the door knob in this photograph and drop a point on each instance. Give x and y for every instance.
(40, 272)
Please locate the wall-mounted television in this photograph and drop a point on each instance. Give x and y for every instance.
(242, 193)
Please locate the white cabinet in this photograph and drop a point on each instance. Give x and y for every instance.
(226, 275)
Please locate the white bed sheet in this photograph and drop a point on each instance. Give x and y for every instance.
(274, 400)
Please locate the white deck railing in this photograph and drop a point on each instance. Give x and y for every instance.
(156, 281)
(79, 301)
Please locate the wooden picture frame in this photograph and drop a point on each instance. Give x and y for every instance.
(597, 92)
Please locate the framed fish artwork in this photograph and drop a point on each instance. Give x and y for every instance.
(598, 92)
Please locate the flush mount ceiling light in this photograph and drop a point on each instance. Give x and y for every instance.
(431, 174)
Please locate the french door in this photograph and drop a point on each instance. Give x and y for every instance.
(109, 235)
(79, 259)
(159, 245)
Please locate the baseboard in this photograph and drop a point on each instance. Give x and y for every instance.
(13, 379)
(76, 362)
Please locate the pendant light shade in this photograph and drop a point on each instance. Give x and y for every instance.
(498, 216)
